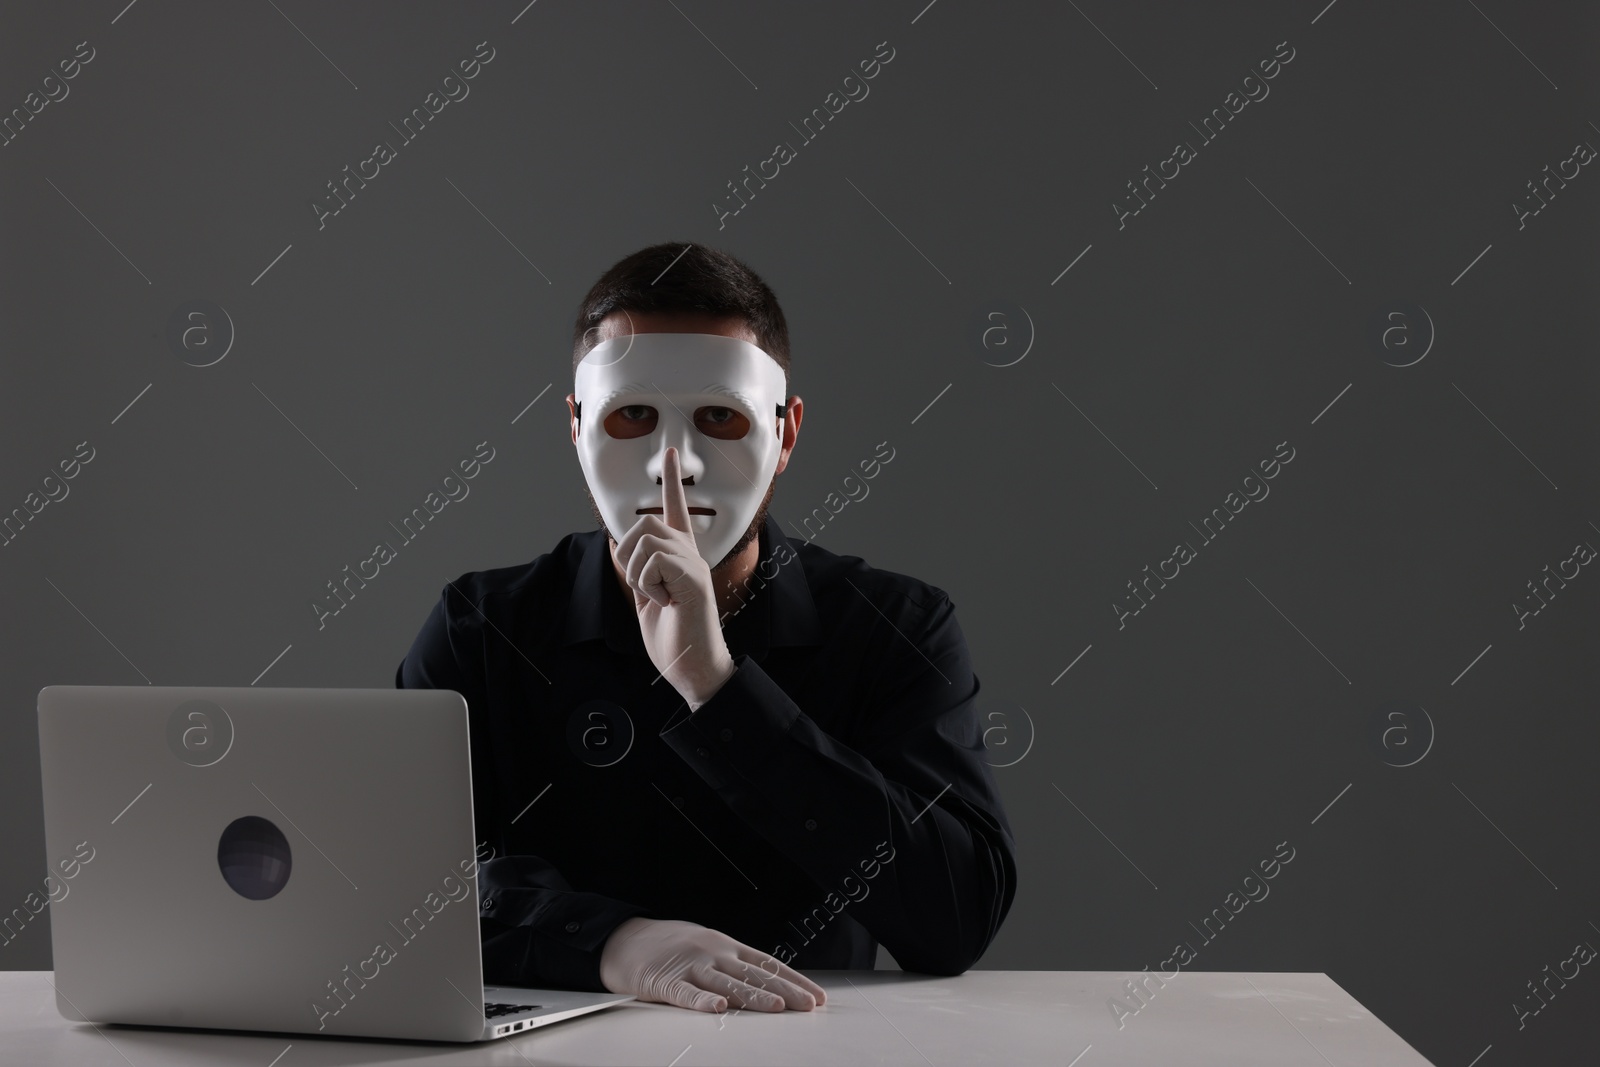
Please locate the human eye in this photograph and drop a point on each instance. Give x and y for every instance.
(630, 420)
(725, 423)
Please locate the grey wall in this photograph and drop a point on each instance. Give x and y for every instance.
(1344, 668)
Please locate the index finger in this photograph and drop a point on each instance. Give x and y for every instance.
(674, 508)
(784, 971)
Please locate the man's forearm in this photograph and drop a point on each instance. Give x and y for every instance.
(941, 901)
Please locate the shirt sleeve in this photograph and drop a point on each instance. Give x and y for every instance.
(908, 825)
(536, 930)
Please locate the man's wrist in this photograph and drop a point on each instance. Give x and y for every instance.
(704, 695)
(626, 927)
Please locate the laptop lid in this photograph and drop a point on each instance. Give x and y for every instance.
(274, 859)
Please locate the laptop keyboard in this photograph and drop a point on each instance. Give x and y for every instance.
(493, 1010)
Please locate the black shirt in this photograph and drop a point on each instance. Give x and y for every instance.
(833, 794)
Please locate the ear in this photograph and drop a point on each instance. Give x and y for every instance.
(572, 409)
(789, 430)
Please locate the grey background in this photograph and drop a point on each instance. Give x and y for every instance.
(1239, 710)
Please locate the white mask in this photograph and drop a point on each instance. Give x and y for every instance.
(677, 375)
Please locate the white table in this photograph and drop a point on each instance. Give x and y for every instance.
(872, 1017)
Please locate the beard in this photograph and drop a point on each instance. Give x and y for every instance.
(751, 532)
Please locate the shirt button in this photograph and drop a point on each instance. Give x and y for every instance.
(572, 927)
(811, 824)
(702, 752)
(726, 735)
(488, 902)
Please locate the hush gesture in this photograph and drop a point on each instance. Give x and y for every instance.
(673, 594)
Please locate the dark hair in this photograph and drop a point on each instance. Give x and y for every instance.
(670, 277)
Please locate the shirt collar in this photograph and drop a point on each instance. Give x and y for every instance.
(777, 610)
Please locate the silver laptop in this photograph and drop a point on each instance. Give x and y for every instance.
(297, 860)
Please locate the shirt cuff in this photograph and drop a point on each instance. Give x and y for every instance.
(531, 940)
(733, 734)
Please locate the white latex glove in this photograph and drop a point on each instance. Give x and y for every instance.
(693, 966)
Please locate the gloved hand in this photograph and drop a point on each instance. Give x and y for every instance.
(693, 966)
(673, 594)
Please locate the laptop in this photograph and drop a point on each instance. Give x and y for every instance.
(296, 860)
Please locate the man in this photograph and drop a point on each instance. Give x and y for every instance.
(691, 734)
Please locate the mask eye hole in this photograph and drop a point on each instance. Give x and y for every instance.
(631, 420)
(725, 424)
(639, 420)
